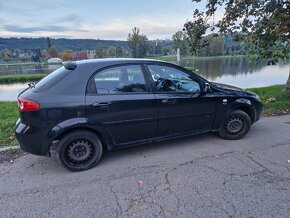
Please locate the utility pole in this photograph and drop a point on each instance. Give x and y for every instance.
(178, 56)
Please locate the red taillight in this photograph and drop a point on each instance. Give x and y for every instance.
(27, 105)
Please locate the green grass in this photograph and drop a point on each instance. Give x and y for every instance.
(21, 78)
(8, 117)
(275, 100)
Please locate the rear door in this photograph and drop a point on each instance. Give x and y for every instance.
(182, 108)
(121, 102)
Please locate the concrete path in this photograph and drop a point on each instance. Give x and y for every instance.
(201, 176)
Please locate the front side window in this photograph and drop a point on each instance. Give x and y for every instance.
(122, 79)
(169, 79)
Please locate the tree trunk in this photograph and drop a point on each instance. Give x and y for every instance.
(287, 87)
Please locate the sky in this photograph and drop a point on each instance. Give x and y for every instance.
(93, 19)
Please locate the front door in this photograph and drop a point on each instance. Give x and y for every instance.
(123, 105)
(182, 108)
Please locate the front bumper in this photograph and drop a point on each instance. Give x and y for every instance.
(258, 110)
(32, 139)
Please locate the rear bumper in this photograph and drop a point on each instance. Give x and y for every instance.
(32, 139)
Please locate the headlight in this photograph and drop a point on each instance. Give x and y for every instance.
(257, 97)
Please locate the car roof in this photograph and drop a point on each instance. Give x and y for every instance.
(113, 61)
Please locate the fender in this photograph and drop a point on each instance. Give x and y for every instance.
(75, 123)
(243, 104)
(237, 104)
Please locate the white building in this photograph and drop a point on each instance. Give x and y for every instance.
(91, 54)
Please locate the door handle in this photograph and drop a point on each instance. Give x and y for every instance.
(169, 101)
(101, 104)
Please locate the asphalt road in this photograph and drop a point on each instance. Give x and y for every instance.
(201, 176)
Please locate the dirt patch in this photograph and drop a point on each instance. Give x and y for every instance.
(10, 156)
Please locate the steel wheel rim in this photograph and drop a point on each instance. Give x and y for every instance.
(234, 125)
(80, 151)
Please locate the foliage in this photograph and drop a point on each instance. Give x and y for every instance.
(8, 117)
(214, 45)
(99, 51)
(61, 44)
(195, 30)
(262, 25)
(52, 51)
(112, 51)
(119, 52)
(281, 100)
(179, 41)
(137, 43)
(21, 78)
(66, 56)
(48, 42)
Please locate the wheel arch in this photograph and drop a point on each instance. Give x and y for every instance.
(78, 124)
(78, 128)
(244, 105)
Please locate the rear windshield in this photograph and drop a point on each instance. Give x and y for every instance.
(51, 79)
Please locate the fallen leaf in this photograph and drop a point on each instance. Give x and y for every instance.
(270, 100)
(140, 182)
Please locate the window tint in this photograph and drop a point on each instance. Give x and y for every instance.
(120, 80)
(51, 79)
(169, 79)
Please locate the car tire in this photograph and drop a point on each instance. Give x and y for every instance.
(79, 150)
(235, 126)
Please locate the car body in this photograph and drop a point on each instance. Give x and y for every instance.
(124, 102)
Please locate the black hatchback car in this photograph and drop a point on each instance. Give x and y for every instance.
(114, 103)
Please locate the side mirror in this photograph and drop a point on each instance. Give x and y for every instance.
(207, 87)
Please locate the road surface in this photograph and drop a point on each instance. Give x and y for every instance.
(201, 176)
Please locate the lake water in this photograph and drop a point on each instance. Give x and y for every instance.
(236, 71)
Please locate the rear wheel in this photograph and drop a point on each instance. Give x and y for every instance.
(79, 150)
(235, 126)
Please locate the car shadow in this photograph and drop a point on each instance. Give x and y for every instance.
(142, 150)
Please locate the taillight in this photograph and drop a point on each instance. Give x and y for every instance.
(27, 105)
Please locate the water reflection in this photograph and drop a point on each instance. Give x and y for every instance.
(11, 91)
(27, 69)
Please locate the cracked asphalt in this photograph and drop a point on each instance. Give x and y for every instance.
(200, 176)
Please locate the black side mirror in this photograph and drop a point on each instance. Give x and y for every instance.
(207, 87)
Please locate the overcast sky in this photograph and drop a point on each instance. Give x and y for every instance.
(96, 19)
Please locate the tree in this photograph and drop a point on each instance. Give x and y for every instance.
(137, 43)
(214, 45)
(17, 52)
(5, 53)
(112, 51)
(119, 52)
(99, 51)
(66, 55)
(157, 48)
(52, 51)
(262, 25)
(179, 41)
(48, 41)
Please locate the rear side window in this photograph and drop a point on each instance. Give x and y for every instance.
(120, 79)
(51, 79)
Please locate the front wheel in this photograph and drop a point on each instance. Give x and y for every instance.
(79, 150)
(235, 126)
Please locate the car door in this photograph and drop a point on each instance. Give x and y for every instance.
(120, 101)
(182, 108)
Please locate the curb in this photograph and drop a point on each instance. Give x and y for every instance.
(9, 148)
